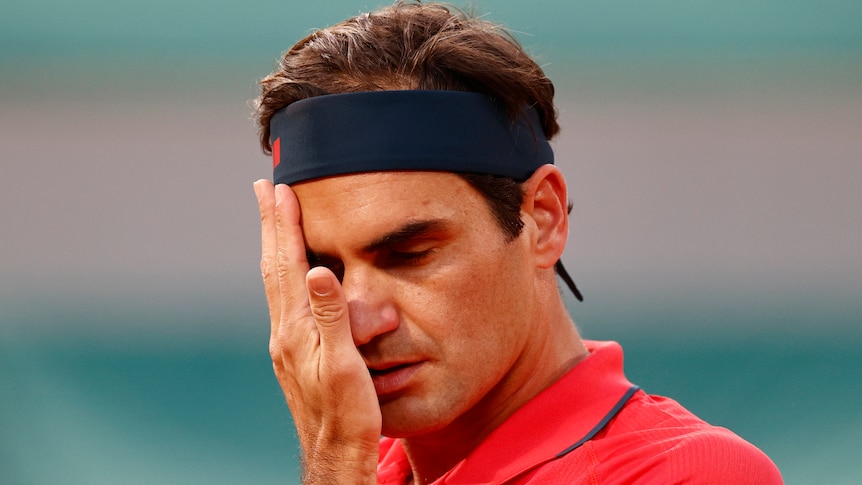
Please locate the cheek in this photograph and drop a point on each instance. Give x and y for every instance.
(473, 306)
(466, 321)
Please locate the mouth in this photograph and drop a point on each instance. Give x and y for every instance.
(382, 371)
(390, 379)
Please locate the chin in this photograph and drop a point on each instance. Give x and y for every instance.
(401, 420)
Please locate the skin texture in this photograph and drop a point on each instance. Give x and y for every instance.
(421, 322)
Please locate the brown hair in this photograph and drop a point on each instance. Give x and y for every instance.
(413, 45)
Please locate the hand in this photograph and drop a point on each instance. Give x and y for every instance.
(324, 378)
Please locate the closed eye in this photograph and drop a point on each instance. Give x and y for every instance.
(409, 258)
(411, 255)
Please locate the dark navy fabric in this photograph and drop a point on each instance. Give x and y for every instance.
(372, 131)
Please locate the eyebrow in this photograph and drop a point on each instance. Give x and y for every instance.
(405, 233)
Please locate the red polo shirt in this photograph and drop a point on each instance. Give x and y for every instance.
(594, 427)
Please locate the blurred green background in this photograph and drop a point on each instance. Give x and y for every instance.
(714, 156)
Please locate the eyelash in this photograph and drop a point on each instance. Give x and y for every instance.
(412, 257)
(396, 258)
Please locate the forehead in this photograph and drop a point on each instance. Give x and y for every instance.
(370, 203)
(389, 187)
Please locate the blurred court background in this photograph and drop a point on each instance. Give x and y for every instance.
(714, 153)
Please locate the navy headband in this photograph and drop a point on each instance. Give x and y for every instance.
(372, 131)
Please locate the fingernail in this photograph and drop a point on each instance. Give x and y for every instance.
(320, 286)
(280, 191)
(258, 187)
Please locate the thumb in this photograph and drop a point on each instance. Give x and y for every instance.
(329, 309)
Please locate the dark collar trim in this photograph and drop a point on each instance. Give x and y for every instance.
(613, 412)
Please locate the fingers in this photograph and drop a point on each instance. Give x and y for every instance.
(291, 260)
(283, 262)
(307, 306)
(329, 307)
(265, 192)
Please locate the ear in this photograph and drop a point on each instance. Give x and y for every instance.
(546, 203)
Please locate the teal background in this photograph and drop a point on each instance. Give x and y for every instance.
(714, 158)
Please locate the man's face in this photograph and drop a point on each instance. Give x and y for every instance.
(438, 299)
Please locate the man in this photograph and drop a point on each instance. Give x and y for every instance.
(410, 244)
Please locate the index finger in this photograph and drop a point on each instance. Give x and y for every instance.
(290, 257)
(265, 192)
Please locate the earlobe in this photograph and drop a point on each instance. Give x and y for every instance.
(546, 203)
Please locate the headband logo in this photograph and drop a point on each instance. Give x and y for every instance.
(276, 152)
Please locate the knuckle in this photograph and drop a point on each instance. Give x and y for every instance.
(275, 351)
(328, 312)
(267, 269)
(265, 218)
(282, 260)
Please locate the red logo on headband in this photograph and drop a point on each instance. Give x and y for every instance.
(276, 152)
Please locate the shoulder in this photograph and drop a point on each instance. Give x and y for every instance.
(656, 440)
(716, 456)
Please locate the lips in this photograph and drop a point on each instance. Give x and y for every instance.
(383, 370)
(391, 378)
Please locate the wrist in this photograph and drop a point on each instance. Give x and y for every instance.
(342, 465)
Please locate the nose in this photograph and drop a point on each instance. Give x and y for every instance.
(370, 304)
